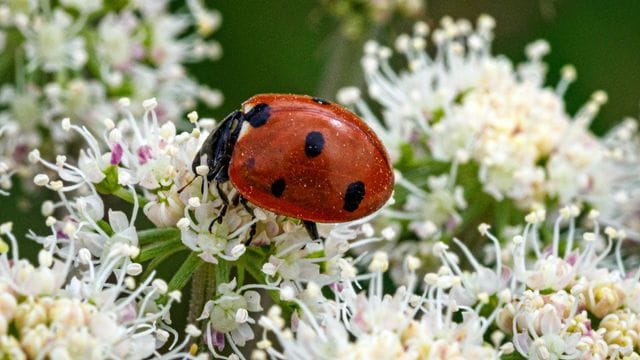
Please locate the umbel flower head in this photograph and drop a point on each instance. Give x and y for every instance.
(372, 324)
(470, 119)
(561, 299)
(77, 58)
(77, 308)
(573, 299)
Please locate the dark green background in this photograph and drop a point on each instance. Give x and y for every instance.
(286, 46)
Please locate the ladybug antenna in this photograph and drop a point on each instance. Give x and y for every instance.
(187, 184)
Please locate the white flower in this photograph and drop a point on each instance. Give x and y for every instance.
(228, 317)
(53, 45)
(378, 325)
(166, 209)
(292, 258)
(465, 104)
(7, 166)
(212, 239)
(614, 191)
(440, 205)
(93, 54)
(59, 309)
(84, 212)
(559, 300)
(119, 42)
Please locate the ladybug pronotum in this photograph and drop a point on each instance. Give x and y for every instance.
(299, 156)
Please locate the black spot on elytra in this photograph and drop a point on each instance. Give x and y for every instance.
(258, 115)
(277, 188)
(321, 101)
(353, 196)
(250, 163)
(313, 144)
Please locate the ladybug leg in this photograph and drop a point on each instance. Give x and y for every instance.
(235, 200)
(252, 233)
(225, 205)
(246, 206)
(312, 229)
(218, 218)
(223, 196)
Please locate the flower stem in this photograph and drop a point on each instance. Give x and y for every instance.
(222, 272)
(199, 282)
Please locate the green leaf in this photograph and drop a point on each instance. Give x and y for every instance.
(153, 264)
(159, 248)
(182, 276)
(240, 274)
(157, 235)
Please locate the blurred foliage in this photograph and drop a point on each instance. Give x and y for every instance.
(274, 46)
(300, 47)
(358, 17)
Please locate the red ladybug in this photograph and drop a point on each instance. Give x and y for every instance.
(299, 156)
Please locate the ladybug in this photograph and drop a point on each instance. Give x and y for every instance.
(299, 156)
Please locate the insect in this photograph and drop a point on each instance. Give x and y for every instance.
(298, 156)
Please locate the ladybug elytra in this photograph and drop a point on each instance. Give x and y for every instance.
(299, 156)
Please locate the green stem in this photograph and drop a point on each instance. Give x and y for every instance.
(198, 293)
(222, 272)
(211, 281)
(240, 271)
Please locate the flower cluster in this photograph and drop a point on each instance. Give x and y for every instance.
(76, 58)
(542, 300)
(567, 303)
(76, 308)
(470, 120)
(562, 299)
(372, 324)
